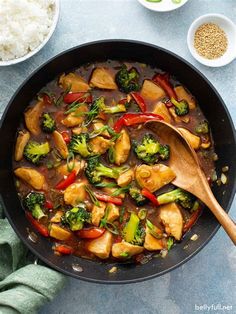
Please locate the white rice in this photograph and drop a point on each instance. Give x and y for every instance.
(24, 24)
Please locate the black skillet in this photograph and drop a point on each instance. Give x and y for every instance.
(213, 108)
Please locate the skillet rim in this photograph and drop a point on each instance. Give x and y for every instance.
(202, 245)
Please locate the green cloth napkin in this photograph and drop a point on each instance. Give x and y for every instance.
(24, 287)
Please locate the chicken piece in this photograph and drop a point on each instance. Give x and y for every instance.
(100, 145)
(121, 249)
(101, 247)
(73, 81)
(113, 212)
(97, 125)
(151, 243)
(59, 233)
(183, 94)
(193, 140)
(72, 120)
(78, 166)
(102, 78)
(75, 194)
(178, 119)
(154, 177)
(79, 129)
(125, 178)
(57, 216)
(122, 147)
(22, 139)
(60, 144)
(32, 177)
(97, 213)
(172, 219)
(32, 117)
(160, 108)
(152, 91)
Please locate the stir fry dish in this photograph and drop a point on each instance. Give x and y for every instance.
(92, 177)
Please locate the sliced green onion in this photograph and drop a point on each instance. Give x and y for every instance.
(111, 227)
(108, 225)
(122, 212)
(92, 195)
(70, 161)
(121, 190)
(142, 213)
(176, 1)
(106, 185)
(98, 132)
(153, 230)
(73, 107)
(111, 154)
(59, 100)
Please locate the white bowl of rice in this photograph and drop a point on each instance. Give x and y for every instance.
(25, 28)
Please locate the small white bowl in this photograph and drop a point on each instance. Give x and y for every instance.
(230, 30)
(43, 43)
(163, 6)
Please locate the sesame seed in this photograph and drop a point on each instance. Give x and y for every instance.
(210, 41)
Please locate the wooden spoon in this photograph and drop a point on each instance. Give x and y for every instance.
(189, 174)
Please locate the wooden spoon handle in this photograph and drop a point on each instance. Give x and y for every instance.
(223, 218)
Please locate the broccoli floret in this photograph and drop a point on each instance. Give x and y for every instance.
(79, 144)
(48, 125)
(35, 151)
(34, 202)
(202, 128)
(150, 150)
(185, 199)
(127, 80)
(136, 195)
(99, 105)
(133, 232)
(75, 218)
(164, 152)
(181, 107)
(95, 170)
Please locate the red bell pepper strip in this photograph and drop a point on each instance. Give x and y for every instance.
(66, 182)
(129, 119)
(140, 101)
(90, 233)
(146, 193)
(108, 199)
(193, 218)
(122, 101)
(48, 204)
(163, 81)
(63, 249)
(43, 230)
(80, 97)
(66, 136)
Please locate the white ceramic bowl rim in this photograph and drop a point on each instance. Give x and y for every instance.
(230, 29)
(163, 6)
(43, 43)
